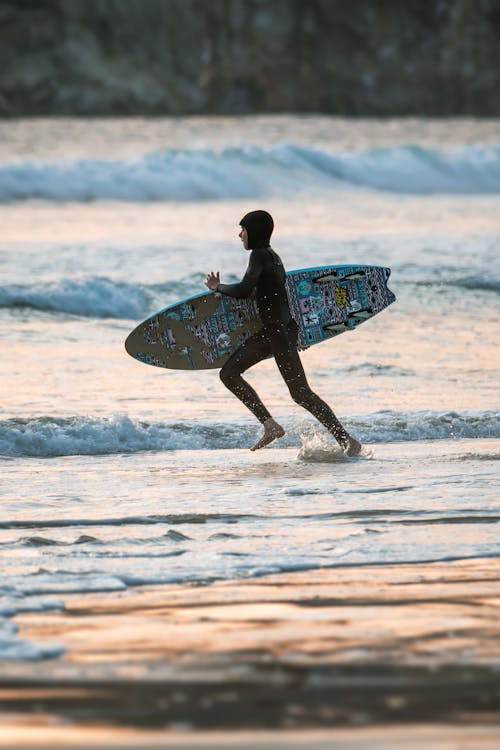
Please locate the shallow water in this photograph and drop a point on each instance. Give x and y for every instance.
(116, 473)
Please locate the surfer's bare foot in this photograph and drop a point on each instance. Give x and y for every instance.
(272, 431)
(352, 447)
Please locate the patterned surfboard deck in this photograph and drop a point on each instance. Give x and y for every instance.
(203, 331)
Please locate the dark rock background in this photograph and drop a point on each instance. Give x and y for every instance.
(350, 57)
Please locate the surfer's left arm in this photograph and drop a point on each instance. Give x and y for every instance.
(243, 288)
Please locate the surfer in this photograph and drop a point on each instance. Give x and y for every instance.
(277, 337)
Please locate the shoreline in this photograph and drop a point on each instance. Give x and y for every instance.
(411, 737)
(328, 648)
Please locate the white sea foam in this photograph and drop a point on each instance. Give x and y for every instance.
(13, 647)
(248, 171)
(49, 436)
(59, 582)
(11, 604)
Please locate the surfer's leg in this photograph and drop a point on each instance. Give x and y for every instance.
(253, 350)
(292, 371)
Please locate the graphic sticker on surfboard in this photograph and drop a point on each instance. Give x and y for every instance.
(201, 332)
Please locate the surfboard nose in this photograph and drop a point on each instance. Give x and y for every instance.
(391, 297)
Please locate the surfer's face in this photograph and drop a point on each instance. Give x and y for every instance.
(243, 235)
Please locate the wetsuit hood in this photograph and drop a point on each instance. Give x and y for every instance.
(259, 226)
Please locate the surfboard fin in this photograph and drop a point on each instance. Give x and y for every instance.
(332, 276)
(336, 327)
(363, 314)
(336, 276)
(353, 275)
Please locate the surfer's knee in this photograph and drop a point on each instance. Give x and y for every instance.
(225, 376)
(301, 396)
(228, 375)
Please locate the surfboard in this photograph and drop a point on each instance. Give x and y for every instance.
(202, 331)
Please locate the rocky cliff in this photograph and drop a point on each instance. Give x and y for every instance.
(367, 57)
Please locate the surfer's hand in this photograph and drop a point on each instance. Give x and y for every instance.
(212, 280)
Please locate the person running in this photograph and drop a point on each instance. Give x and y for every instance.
(277, 337)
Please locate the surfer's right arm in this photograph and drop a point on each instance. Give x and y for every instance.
(244, 288)
(212, 281)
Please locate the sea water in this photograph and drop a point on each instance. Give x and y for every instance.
(115, 474)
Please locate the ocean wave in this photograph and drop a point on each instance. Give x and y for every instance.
(96, 297)
(42, 541)
(46, 437)
(469, 283)
(151, 520)
(476, 283)
(248, 171)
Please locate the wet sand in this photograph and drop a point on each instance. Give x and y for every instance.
(408, 737)
(339, 650)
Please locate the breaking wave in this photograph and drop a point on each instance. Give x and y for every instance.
(98, 297)
(249, 171)
(93, 297)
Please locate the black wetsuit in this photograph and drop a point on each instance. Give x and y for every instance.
(277, 338)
